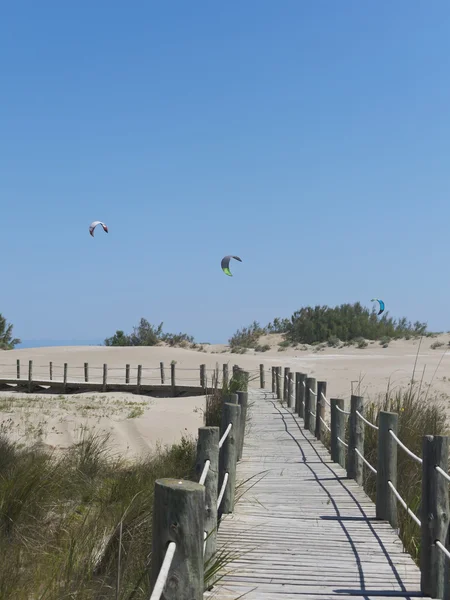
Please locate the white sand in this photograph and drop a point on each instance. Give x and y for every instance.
(137, 423)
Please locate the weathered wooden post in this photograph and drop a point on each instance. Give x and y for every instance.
(337, 431)
(203, 376)
(139, 379)
(86, 372)
(262, 381)
(434, 516)
(161, 368)
(30, 375)
(18, 368)
(65, 378)
(355, 464)
(208, 449)
(225, 375)
(274, 383)
(286, 384)
(320, 407)
(231, 413)
(243, 403)
(278, 378)
(50, 368)
(105, 377)
(127, 373)
(178, 516)
(291, 397)
(386, 502)
(310, 395)
(301, 395)
(172, 377)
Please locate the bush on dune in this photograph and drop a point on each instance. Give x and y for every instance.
(146, 334)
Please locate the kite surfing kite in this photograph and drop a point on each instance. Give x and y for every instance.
(381, 303)
(225, 264)
(94, 224)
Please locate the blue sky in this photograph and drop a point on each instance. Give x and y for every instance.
(311, 138)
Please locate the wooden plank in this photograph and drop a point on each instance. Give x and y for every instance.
(302, 528)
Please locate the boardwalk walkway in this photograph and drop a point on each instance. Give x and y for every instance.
(305, 531)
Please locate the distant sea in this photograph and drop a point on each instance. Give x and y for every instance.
(42, 343)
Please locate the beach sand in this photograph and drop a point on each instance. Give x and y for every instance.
(137, 423)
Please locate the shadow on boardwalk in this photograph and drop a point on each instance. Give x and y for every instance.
(304, 530)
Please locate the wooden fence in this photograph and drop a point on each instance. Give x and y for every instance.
(186, 514)
(307, 398)
(162, 380)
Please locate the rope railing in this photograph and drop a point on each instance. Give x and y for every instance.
(405, 448)
(204, 472)
(403, 503)
(164, 572)
(366, 421)
(222, 490)
(326, 401)
(443, 473)
(435, 504)
(365, 461)
(342, 442)
(325, 424)
(225, 435)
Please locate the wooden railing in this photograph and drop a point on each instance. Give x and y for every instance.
(307, 399)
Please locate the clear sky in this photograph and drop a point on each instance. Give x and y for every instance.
(311, 138)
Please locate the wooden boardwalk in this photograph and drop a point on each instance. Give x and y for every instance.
(305, 531)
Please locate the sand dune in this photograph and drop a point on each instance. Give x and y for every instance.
(137, 423)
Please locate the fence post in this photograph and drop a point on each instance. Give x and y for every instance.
(227, 461)
(161, 369)
(172, 378)
(337, 431)
(208, 449)
(105, 377)
(202, 376)
(310, 394)
(178, 516)
(225, 375)
(139, 379)
(278, 378)
(262, 381)
(434, 517)
(30, 375)
(18, 368)
(386, 502)
(127, 373)
(301, 395)
(320, 407)
(65, 378)
(286, 384)
(50, 368)
(291, 399)
(243, 403)
(86, 372)
(274, 383)
(355, 464)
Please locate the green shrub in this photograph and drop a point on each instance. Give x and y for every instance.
(264, 348)
(385, 340)
(333, 341)
(247, 337)
(436, 344)
(361, 343)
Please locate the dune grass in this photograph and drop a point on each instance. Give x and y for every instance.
(67, 519)
(419, 414)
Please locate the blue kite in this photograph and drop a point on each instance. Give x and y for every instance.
(381, 303)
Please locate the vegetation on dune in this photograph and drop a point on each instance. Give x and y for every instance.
(418, 415)
(146, 334)
(70, 524)
(348, 323)
(7, 341)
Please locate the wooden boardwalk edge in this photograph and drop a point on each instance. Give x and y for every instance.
(302, 530)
